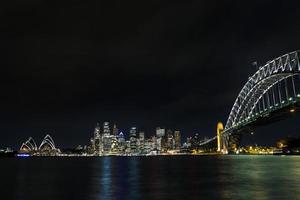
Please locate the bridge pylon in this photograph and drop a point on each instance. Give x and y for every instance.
(220, 129)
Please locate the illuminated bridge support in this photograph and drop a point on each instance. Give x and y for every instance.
(220, 129)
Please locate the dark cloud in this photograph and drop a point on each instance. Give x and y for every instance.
(67, 65)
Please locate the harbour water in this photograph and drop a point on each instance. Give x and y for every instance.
(159, 177)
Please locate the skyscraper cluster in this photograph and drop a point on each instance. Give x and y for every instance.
(108, 140)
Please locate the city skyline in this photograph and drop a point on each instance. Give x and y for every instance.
(281, 128)
(108, 128)
(106, 140)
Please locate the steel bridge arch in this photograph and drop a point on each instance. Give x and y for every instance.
(246, 112)
(257, 85)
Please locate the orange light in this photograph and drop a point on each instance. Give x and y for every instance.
(292, 110)
(280, 145)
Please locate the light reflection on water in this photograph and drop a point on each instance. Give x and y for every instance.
(177, 177)
(112, 179)
(261, 177)
(102, 179)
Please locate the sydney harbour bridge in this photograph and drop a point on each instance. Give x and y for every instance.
(270, 94)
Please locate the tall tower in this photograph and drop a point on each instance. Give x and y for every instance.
(106, 129)
(142, 136)
(114, 140)
(170, 140)
(106, 138)
(97, 140)
(133, 138)
(97, 131)
(160, 132)
(141, 141)
(115, 130)
(160, 135)
(220, 129)
(121, 143)
(177, 136)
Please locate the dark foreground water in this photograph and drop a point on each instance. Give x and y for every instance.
(177, 177)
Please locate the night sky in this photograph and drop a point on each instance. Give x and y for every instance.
(177, 64)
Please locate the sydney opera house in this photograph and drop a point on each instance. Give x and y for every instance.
(46, 148)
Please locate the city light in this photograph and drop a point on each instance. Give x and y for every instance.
(292, 110)
(23, 155)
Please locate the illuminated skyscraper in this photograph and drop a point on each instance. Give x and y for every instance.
(177, 137)
(97, 141)
(160, 134)
(97, 131)
(114, 144)
(106, 138)
(164, 141)
(141, 142)
(92, 146)
(121, 137)
(148, 146)
(170, 140)
(106, 129)
(133, 141)
(127, 149)
(115, 130)
(121, 143)
(157, 143)
(142, 136)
